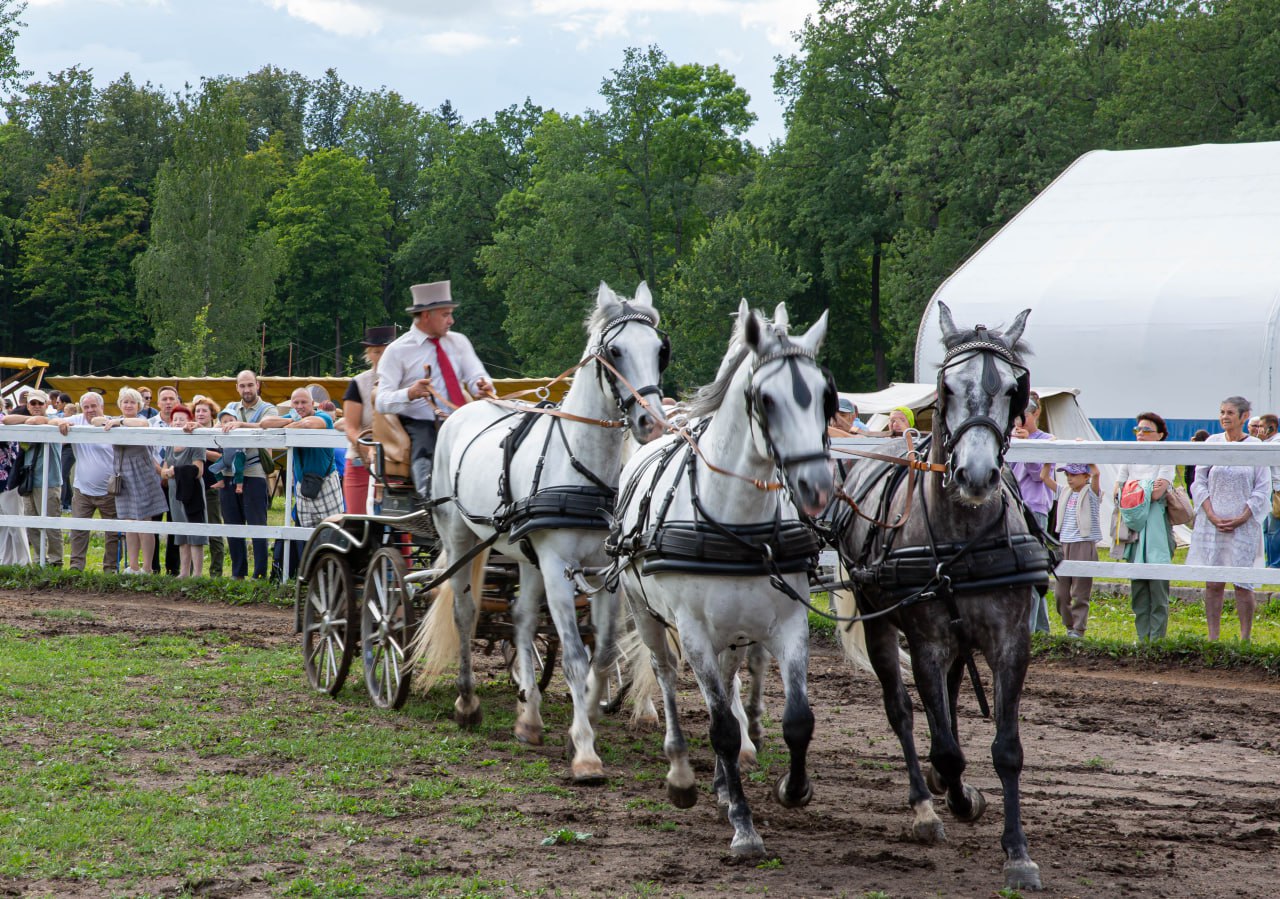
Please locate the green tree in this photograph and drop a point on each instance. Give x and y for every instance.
(10, 74)
(207, 251)
(57, 114)
(330, 221)
(325, 121)
(616, 195)
(132, 134)
(76, 277)
(728, 263)
(462, 188)
(994, 104)
(1204, 73)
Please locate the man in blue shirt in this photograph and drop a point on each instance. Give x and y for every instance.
(317, 488)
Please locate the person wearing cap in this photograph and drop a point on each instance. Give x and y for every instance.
(357, 417)
(845, 422)
(1079, 530)
(422, 373)
(1038, 487)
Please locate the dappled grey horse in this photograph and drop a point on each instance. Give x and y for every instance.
(952, 575)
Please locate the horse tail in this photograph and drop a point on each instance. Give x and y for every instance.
(644, 681)
(853, 637)
(436, 645)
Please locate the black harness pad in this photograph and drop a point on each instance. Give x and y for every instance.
(1021, 560)
(579, 506)
(696, 547)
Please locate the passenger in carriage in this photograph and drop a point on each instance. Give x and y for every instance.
(357, 418)
(421, 375)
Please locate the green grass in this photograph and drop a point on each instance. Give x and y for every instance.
(132, 758)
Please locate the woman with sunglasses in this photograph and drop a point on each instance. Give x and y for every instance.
(1230, 501)
(1153, 542)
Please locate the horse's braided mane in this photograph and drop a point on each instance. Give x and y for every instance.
(599, 317)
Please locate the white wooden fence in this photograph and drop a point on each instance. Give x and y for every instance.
(1103, 453)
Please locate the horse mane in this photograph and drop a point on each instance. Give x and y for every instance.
(710, 397)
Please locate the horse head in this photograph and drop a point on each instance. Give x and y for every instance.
(633, 352)
(982, 387)
(789, 400)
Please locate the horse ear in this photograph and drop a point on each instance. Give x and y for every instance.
(1014, 332)
(781, 321)
(817, 333)
(605, 296)
(945, 320)
(643, 294)
(752, 329)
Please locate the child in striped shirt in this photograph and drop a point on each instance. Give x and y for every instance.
(1079, 531)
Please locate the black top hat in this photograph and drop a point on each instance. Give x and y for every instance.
(379, 336)
(430, 296)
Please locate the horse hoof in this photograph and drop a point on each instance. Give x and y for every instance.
(930, 832)
(468, 720)
(528, 734)
(1023, 874)
(977, 804)
(683, 797)
(747, 760)
(934, 780)
(780, 793)
(588, 774)
(747, 848)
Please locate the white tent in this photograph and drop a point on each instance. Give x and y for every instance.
(1062, 415)
(1153, 277)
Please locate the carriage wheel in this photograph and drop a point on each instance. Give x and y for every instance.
(326, 623)
(545, 651)
(386, 629)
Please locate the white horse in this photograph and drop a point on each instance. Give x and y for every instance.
(518, 498)
(700, 532)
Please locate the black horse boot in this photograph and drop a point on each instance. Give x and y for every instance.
(421, 469)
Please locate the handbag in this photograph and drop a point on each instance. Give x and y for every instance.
(1178, 505)
(311, 485)
(1275, 503)
(25, 475)
(115, 483)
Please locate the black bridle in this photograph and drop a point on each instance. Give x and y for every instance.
(792, 355)
(628, 398)
(989, 349)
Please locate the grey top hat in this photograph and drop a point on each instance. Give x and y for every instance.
(379, 336)
(430, 296)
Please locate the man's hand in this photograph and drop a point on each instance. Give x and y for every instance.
(420, 388)
(63, 427)
(1020, 433)
(229, 426)
(485, 388)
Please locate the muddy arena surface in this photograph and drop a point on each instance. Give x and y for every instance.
(1138, 781)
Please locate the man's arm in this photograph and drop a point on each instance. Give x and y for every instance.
(471, 370)
(392, 393)
(15, 419)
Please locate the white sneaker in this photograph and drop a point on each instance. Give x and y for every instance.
(131, 571)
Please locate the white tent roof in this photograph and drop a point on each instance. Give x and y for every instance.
(1153, 277)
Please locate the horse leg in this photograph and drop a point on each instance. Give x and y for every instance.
(561, 592)
(604, 654)
(1009, 667)
(682, 787)
(529, 697)
(730, 673)
(758, 665)
(938, 694)
(882, 650)
(726, 739)
(794, 789)
(467, 705)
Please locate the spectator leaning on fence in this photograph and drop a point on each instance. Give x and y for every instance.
(35, 411)
(1152, 543)
(205, 412)
(93, 468)
(182, 468)
(1230, 501)
(139, 497)
(249, 507)
(316, 486)
(1268, 431)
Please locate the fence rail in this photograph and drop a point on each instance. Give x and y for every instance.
(1106, 454)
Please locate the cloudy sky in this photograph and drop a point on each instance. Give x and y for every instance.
(483, 55)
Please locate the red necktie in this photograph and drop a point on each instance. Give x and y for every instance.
(451, 385)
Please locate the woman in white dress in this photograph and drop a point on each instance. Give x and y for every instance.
(1231, 501)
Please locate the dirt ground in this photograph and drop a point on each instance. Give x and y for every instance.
(1138, 781)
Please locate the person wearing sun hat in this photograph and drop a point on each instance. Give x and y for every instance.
(1079, 530)
(421, 375)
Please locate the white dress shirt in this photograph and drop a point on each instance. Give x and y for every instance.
(403, 363)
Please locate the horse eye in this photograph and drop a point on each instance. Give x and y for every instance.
(615, 352)
(766, 401)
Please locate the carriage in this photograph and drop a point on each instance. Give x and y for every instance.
(366, 582)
